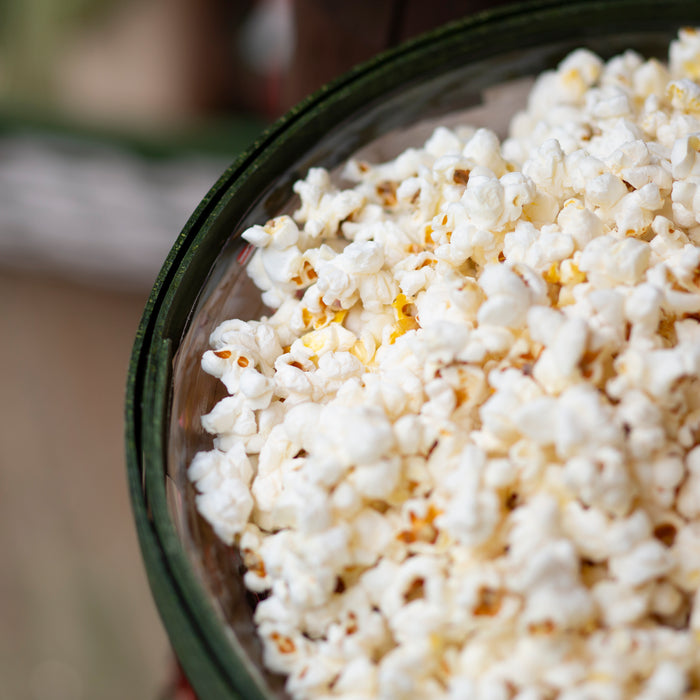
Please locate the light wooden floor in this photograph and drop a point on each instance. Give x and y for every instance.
(77, 621)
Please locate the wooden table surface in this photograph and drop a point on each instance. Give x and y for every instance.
(78, 621)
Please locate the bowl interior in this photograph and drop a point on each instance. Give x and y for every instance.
(475, 72)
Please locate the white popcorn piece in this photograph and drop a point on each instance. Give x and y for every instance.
(668, 681)
(283, 649)
(376, 480)
(357, 680)
(359, 435)
(599, 536)
(609, 261)
(684, 53)
(472, 513)
(602, 481)
(648, 560)
(255, 577)
(404, 673)
(584, 422)
(684, 95)
(579, 71)
(257, 236)
(686, 557)
(650, 79)
(643, 307)
(689, 494)
(629, 155)
(579, 222)
(256, 387)
(608, 102)
(558, 365)
(547, 169)
(280, 265)
(684, 156)
(232, 418)
(280, 233)
(443, 142)
(484, 200)
(605, 191)
(372, 535)
(620, 604)
(303, 503)
(497, 413)
(508, 297)
(322, 206)
(533, 524)
(209, 470)
(536, 420)
(227, 507)
(484, 149)
(635, 211)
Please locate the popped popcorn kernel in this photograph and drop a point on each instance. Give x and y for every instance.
(461, 458)
(684, 95)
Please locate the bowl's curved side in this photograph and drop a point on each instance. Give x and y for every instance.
(431, 75)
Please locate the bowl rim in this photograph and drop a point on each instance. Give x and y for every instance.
(210, 656)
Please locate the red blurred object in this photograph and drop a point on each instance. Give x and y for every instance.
(179, 687)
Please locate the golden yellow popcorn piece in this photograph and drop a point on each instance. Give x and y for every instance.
(421, 528)
(326, 317)
(313, 341)
(361, 353)
(569, 273)
(552, 274)
(404, 322)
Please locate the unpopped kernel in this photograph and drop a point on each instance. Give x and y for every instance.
(461, 459)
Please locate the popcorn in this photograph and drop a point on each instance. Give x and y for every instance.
(460, 459)
(684, 95)
(256, 387)
(602, 482)
(472, 513)
(224, 498)
(620, 604)
(280, 233)
(484, 149)
(684, 53)
(685, 555)
(558, 365)
(609, 261)
(322, 206)
(650, 79)
(210, 469)
(484, 200)
(554, 597)
(689, 494)
(667, 682)
(231, 420)
(648, 560)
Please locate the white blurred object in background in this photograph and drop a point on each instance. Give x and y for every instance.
(93, 211)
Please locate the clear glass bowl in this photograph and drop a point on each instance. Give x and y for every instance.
(472, 71)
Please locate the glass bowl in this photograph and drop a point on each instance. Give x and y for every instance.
(475, 71)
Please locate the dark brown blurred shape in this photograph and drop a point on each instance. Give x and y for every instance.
(329, 38)
(332, 37)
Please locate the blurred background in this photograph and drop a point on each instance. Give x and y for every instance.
(116, 116)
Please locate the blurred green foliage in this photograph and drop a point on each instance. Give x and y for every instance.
(32, 33)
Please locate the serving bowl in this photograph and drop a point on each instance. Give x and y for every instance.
(473, 70)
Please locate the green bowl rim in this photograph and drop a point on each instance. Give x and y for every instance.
(205, 649)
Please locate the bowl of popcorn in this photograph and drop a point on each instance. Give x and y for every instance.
(414, 408)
